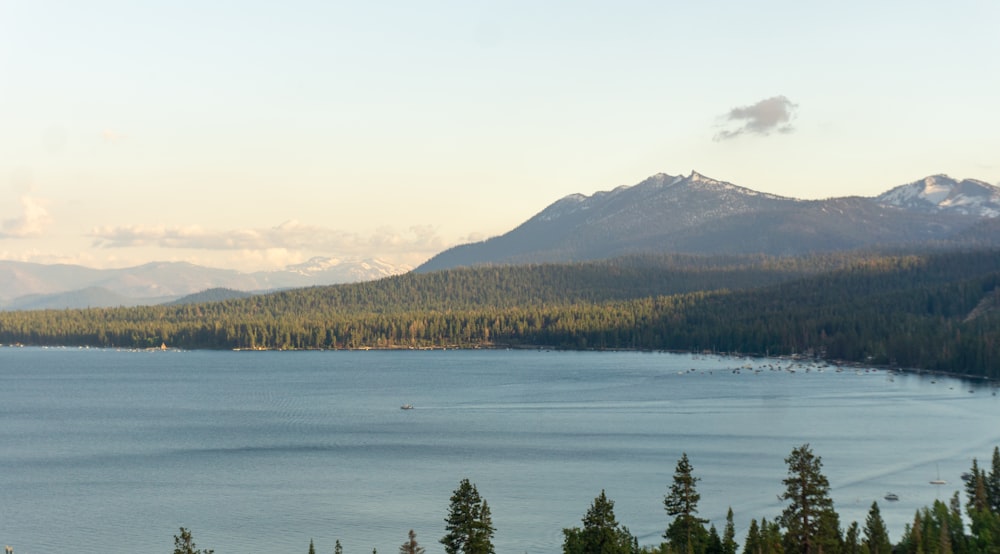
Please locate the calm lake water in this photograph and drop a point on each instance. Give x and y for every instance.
(108, 451)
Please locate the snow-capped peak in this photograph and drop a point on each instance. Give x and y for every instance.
(350, 269)
(942, 193)
(696, 177)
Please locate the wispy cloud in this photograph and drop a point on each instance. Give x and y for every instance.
(769, 115)
(33, 220)
(290, 235)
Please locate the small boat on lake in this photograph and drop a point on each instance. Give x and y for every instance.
(939, 480)
(891, 497)
(406, 407)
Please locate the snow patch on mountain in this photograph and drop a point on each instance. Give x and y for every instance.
(575, 203)
(708, 183)
(348, 269)
(941, 193)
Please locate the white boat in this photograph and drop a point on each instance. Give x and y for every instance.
(406, 407)
(939, 480)
(891, 497)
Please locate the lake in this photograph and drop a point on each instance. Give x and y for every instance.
(113, 451)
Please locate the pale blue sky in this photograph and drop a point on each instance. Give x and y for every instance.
(254, 134)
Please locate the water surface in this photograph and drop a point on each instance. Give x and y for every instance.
(113, 451)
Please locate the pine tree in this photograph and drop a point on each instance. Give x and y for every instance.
(753, 543)
(916, 538)
(713, 545)
(959, 541)
(337, 549)
(876, 535)
(686, 534)
(993, 482)
(312, 548)
(771, 535)
(469, 523)
(975, 488)
(852, 541)
(184, 544)
(411, 546)
(808, 491)
(729, 545)
(601, 533)
(831, 538)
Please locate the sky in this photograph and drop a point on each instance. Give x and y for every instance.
(252, 135)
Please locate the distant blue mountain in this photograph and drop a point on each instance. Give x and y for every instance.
(38, 286)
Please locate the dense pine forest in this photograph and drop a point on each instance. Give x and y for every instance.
(935, 311)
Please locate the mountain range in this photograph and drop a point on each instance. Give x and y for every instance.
(696, 214)
(691, 214)
(28, 286)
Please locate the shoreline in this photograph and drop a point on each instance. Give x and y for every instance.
(792, 357)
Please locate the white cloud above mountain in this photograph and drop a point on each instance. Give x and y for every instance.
(32, 221)
(288, 236)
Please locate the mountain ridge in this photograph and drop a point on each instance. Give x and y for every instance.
(698, 214)
(38, 286)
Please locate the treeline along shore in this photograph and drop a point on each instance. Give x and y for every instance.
(927, 310)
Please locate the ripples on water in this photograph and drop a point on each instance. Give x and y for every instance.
(107, 451)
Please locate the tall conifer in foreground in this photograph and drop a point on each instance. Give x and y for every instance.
(729, 545)
(809, 517)
(469, 524)
(876, 535)
(601, 533)
(686, 534)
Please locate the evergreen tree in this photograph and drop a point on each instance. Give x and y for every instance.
(753, 543)
(985, 528)
(916, 537)
(984, 521)
(876, 535)
(958, 540)
(852, 541)
(713, 545)
(944, 539)
(337, 549)
(601, 533)
(807, 518)
(729, 545)
(831, 538)
(312, 548)
(411, 546)
(993, 482)
(975, 488)
(469, 524)
(771, 533)
(686, 533)
(184, 544)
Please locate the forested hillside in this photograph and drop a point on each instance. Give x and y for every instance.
(933, 311)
